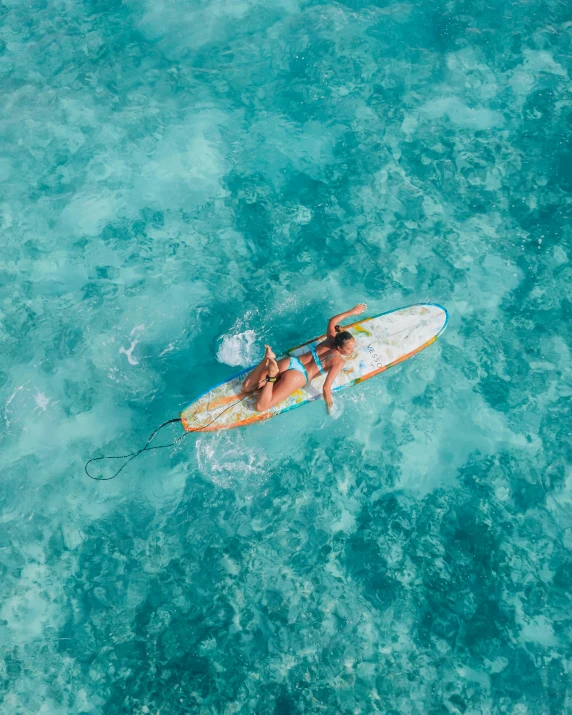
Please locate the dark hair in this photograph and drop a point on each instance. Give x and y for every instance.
(342, 337)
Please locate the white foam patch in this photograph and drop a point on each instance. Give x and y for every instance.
(41, 400)
(128, 352)
(238, 349)
(226, 460)
(8, 406)
(337, 409)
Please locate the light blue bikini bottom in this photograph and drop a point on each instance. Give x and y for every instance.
(295, 364)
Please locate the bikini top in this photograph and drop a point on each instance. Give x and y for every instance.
(317, 359)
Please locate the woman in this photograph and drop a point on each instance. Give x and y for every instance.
(279, 379)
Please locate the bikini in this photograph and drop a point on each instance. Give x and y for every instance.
(317, 359)
(296, 364)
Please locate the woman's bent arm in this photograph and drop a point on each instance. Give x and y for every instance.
(356, 310)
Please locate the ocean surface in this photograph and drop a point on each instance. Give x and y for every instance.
(182, 182)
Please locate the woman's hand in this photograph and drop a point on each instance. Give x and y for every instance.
(359, 308)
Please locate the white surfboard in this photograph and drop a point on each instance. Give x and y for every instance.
(381, 342)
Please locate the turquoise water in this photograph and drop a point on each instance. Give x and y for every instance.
(183, 182)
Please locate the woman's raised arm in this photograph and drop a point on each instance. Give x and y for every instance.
(356, 310)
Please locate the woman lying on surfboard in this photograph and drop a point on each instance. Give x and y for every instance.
(279, 379)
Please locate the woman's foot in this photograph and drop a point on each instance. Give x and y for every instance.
(272, 370)
(255, 381)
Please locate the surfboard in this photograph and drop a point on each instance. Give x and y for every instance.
(382, 341)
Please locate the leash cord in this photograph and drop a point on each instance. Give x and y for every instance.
(146, 448)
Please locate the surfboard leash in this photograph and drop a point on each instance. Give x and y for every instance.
(146, 448)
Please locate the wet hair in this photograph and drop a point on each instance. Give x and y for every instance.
(342, 337)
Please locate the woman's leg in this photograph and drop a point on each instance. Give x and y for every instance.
(274, 392)
(254, 380)
(259, 373)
